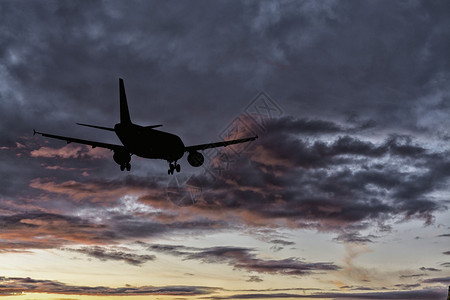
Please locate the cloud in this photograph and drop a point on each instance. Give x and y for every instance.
(327, 173)
(39, 230)
(254, 279)
(350, 269)
(244, 258)
(18, 285)
(42, 230)
(413, 275)
(362, 142)
(280, 244)
(441, 280)
(416, 294)
(407, 286)
(354, 237)
(328, 183)
(331, 183)
(430, 269)
(289, 124)
(105, 254)
(72, 151)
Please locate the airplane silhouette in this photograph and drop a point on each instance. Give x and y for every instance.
(146, 141)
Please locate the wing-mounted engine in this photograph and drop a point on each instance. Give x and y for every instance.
(122, 158)
(195, 159)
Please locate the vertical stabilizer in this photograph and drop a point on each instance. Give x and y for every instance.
(124, 113)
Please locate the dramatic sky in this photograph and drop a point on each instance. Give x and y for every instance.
(345, 195)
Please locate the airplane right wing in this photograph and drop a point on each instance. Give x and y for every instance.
(93, 144)
(218, 144)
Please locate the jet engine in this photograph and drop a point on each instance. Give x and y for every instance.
(123, 159)
(195, 159)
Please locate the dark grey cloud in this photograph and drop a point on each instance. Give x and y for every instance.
(407, 286)
(106, 254)
(344, 180)
(18, 285)
(254, 279)
(282, 242)
(245, 259)
(413, 275)
(441, 280)
(279, 244)
(416, 294)
(430, 269)
(341, 183)
(224, 55)
(289, 124)
(355, 237)
(355, 83)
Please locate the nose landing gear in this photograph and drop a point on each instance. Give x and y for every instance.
(173, 167)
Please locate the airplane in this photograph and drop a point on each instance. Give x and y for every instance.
(146, 141)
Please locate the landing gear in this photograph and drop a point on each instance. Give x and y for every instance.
(173, 167)
(122, 158)
(125, 166)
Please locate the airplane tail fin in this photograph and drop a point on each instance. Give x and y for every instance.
(124, 113)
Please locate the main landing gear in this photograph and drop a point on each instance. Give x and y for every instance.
(173, 167)
(125, 166)
(122, 158)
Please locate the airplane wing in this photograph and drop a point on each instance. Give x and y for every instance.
(93, 144)
(218, 144)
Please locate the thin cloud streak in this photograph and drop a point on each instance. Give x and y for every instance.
(245, 258)
(418, 294)
(17, 285)
(105, 254)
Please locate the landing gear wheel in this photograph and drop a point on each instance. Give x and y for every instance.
(178, 168)
(171, 169)
(128, 166)
(122, 167)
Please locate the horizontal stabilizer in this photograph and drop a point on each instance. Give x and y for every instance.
(153, 126)
(98, 127)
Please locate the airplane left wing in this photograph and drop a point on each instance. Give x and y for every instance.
(93, 144)
(218, 144)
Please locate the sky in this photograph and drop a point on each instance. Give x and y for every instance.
(345, 194)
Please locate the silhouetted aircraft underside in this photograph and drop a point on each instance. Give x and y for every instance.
(146, 141)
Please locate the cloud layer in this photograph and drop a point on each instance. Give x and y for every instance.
(351, 110)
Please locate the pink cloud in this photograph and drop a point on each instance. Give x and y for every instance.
(72, 151)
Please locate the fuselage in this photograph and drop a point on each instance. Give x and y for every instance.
(150, 143)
